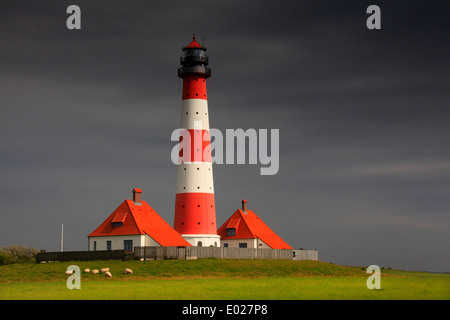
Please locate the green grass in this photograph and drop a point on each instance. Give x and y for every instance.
(217, 279)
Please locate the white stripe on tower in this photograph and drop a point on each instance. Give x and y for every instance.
(194, 110)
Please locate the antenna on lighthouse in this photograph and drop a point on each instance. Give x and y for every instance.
(62, 237)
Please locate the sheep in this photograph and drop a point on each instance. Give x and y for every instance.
(69, 272)
(128, 271)
(95, 271)
(103, 270)
(108, 274)
(87, 270)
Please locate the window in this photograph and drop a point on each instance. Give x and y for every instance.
(231, 231)
(242, 245)
(225, 245)
(199, 244)
(95, 245)
(108, 245)
(117, 224)
(128, 245)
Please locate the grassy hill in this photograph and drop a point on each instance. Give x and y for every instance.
(216, 279)
(177, 269)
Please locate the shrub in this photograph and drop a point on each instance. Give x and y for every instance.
(5, 258)
(17, 254)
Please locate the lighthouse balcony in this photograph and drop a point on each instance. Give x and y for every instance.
(202, 70)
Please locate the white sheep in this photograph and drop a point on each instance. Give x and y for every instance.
(108, 274)
(95, 271)
(87, 270)
(103, 270)
(69, 272)
(128, 271)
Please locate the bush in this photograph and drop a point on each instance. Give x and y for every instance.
(17, 254)
(5, 258)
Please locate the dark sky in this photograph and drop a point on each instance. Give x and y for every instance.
(364, 119)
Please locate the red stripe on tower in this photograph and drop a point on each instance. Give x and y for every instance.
(199, 149)
(195, 212)
(194, 87)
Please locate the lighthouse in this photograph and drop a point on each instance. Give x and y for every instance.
(195, 212)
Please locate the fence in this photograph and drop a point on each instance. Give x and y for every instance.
(158, 253)
(182, 253)
(304, 254)
(84, 255)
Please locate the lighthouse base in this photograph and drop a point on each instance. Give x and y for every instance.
(202, 240)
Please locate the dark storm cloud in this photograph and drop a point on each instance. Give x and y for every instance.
(363, 116)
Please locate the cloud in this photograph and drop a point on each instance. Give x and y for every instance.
(382, 221)
(406, 168)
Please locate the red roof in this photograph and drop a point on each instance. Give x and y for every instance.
(249, 226)
(139, 219)
(194, 44)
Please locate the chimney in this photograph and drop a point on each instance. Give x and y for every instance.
(137, 195)
(244, 205)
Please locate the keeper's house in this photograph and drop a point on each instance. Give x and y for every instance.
(244, 229)
(134, 223)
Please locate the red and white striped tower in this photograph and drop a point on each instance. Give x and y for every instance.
(195, 212)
